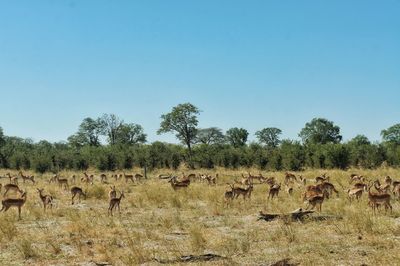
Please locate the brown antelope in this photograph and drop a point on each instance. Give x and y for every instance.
(375, 200)
(103, 178)
(8, 203)
(355, 193)
(175, 184)
(88, 179)
(77, 191)
(62, 182)
(112, 193)
(289, 178)
(12, 187)
(274, 191)
(13, 179)
(229, 195)
(211, 180)
(261, 179)
(360, 185)
(129, 177)
(138, 177)
(27, 177)
(245, 192)
(114, 203)
(53, 179)
(46, 199)
(245, 181)
(316, 200)
(329, 187)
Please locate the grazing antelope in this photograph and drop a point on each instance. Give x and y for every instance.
(46, 199)
(360, 185)
(114, 203)
(103, 178)
(289, 178)
(112, 193)
(62, 182)
(8, 203)
(245, 181)
(27, 177)
(175, 184)
(10, 187)
(355, 193)
(129, 177)
(274, 191)
(138, 177)
(245, 192)
(77, 191)
(261, 179)
(375, 200)
(329, 187)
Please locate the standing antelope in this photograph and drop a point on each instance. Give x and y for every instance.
(129, 177)
(316, 200)
(114, 203)
(77, 191)
(229, 195)
(289, 178)
(355, 193)
(274, 191)
(245, 192)
(375, 200)
(62, 182)
(27, 177)
(175, 184)
(7, 203)
(46, 199)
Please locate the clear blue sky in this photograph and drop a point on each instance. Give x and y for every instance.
(250, 64)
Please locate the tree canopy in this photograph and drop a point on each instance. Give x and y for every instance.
(237, 137)
(320, 131)
(269, 136)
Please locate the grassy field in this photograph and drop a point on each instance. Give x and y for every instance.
(158, 223)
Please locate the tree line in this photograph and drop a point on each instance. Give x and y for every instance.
(109, 143)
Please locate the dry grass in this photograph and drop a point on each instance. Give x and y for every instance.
(157, 222)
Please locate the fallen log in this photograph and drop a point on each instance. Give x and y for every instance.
(296, 215)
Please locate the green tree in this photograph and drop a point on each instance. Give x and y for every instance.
(111, 125)
(182, 120)
(212, 135)
(320, 131)
(89, 133)
(269, 136)
(392, 134)
(130, 134)
(237, 137)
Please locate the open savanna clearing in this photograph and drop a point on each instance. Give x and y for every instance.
(159, 224)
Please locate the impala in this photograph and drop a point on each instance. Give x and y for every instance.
(18, 203)
(129, 177)
(46, 199)
(375, 200)
(77, 191)
(274, 191)
(114, 203)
